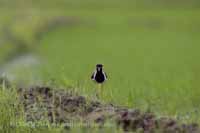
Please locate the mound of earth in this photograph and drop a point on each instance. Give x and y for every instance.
(61, 106)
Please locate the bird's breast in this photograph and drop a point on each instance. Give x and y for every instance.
(100, 77)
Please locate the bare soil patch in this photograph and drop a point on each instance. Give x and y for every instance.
(61, 106)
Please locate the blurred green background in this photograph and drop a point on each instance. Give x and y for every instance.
(150, 49)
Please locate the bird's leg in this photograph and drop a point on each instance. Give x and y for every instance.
(101, 90)
(98, 94)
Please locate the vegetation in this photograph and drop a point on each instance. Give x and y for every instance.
(150, 52)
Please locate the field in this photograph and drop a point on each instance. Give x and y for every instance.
(150, 52)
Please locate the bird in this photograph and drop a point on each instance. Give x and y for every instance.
(99, 76)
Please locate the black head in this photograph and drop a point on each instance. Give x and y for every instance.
(99, 67)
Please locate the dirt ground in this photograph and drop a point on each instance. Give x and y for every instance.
(61, 106)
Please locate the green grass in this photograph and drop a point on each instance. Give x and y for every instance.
(12, 119)
(150, 52)
(151, 58)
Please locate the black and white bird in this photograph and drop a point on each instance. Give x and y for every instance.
(99, 75)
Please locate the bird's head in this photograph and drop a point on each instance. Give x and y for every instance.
(99, 67)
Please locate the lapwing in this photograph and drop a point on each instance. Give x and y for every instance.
(99, 76)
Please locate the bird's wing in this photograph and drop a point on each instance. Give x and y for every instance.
(93, 75)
